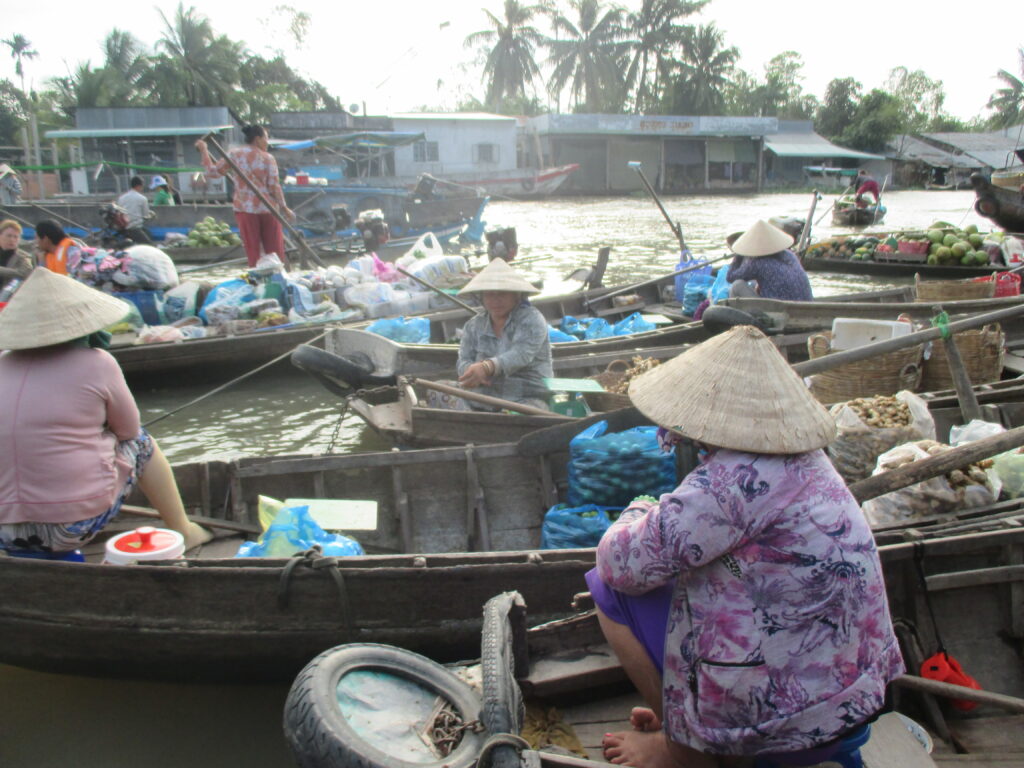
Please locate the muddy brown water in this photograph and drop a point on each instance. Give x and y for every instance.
(58, 720)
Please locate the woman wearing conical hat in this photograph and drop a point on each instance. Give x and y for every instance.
(70, 434)
(747, 606)
(505, 351)
(764, 266)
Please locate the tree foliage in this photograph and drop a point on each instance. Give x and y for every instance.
(837, 109)
(878, 117)
(703, 72)
(1008, 101)
(510, 69)
(587, 56)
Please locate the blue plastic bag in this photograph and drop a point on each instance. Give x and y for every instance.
(567, 527)
(408, 330)
(236, 291)
(635, 323)
(720, 288)
(556, 335)
(611, 470)
(597, 328)
(573, 326)
(685, 261)
(294, 531)
(696, 291)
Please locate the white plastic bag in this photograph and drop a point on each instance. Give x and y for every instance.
(425, 247)
(153, 334)
(148, 268)
(857, 447)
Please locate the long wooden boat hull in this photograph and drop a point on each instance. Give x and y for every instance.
(1003, 206)
(851, 216)
(86, 215)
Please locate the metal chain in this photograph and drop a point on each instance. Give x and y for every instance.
(337, 427)
(448, 728)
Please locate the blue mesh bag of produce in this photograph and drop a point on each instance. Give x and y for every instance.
(696, 291)
(611, 470)
(568, 527)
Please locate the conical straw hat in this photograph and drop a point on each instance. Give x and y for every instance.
(498, 276)
(762, 239)
(51, 309)
(735, 391)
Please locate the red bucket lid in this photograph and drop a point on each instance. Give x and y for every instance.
(145, 540)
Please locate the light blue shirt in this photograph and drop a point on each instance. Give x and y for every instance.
(522, 354)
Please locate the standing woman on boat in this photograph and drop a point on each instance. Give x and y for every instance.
(764, 266)
(747, 606)
(70, 433)
(505, 351)
(257, 226)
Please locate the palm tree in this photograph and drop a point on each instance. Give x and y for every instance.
(657, 35)
(128, 68)
(704, 72)
(1008, 101)
(589, 61)
(202, 68)
(21, 49)
(510, 66)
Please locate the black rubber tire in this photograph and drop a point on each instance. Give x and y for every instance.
(718, 318)
(354, 370)
(321, 737)
(987, 206)
(502, 710)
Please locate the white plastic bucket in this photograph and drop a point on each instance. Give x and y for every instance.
(144, 544)
(849, 332)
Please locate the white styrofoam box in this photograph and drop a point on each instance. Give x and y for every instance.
(850, 332)
(380, 309)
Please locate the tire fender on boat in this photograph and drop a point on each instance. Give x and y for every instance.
(503, 710)
(321, 736)
(719, 318)
(336, 372)
(529, 183)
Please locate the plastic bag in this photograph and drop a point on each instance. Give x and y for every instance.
(132, 318)
(384, 271)
(1009, 467)
(978, 429)
(597, 328)
(635, 323)
(555, 335)
(425, 247)
(230, 293)
(180, 302)
(719, 290)
(613, 469)
(412, 330)
(568, 527)
(934, 496)
(148, 268)
(573, 326)
(154, 334)
(686, 261)
(696, 291)
(293, 531)
(856, 449)
(365, 296)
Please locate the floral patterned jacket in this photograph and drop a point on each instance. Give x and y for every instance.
(779, 636)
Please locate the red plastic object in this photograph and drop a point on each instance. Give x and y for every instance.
(946, 669)
(1007, 283)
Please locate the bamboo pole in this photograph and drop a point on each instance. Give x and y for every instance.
(950, 691)
(472, 310)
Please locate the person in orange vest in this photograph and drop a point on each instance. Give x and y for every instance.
(57, 252)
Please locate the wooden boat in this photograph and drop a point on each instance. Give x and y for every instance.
(1003, 206)
(206, 255)
(256, 619)
(846, 213)
(895, 268)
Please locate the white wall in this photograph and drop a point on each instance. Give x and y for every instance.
(456, 138)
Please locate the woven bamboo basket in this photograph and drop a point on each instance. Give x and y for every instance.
(953, 290)
(982, 353)
(609, 377)
(880, 375)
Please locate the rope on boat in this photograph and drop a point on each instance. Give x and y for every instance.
(313, 559)
(497, 740)
(234, 381)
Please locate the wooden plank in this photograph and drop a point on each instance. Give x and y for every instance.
(980, 577)
(892, 746)
(573, 672)
(993, 735)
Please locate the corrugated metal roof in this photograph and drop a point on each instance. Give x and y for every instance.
(117, 133)
(803, 144)
(993, 149)
(909, 148)
(450, 116)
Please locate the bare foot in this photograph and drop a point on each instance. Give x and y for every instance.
(639, 749)
(644, 719)
(195, 535)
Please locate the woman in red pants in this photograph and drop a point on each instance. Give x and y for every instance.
(257, 226)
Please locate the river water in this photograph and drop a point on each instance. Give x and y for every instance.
(51, 720)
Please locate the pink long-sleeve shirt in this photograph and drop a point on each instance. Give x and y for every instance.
(779, 636)
(63, 411)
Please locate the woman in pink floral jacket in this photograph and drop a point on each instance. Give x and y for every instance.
(748, 605)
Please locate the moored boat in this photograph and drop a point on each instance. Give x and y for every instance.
(847, 213)
(1002, 205)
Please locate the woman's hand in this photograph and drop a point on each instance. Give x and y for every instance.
(477, 375)
(201, 146)
(289, 213)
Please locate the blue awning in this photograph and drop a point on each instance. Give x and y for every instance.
(368, 139)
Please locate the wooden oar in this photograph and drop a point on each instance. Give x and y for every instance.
(653, 280)
(673, 225)
(439, 292)
(56, 215)
(209, 522)
(805, 234)
(557, 437)
(950, 691)
(304, 248)
(468, 394)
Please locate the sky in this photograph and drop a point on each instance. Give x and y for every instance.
(400, 55)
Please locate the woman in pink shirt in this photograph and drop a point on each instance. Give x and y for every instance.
(747, 606)
(257, 226)
(70, 434)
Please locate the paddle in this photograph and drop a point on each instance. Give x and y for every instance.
(556, 438)
(834, 203)
(468, 394)
(878, 202)
(56, 215)
(653, 280)
(304, 248)
(439, 292)
(677, 230)
(805, 235)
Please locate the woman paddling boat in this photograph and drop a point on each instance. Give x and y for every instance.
(70, 431)
(747, 606)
